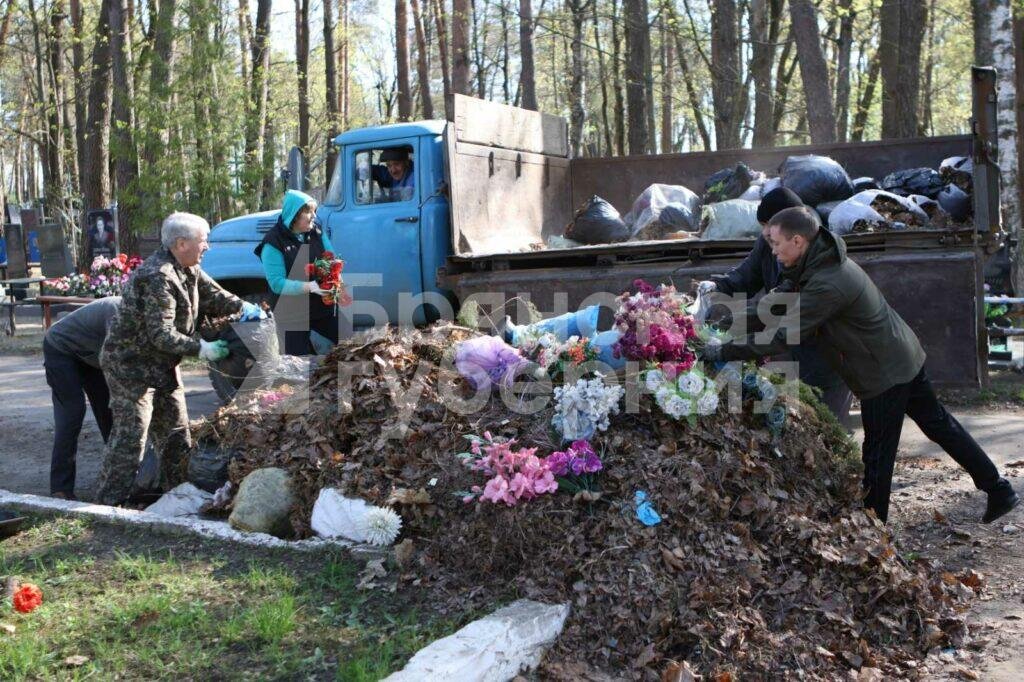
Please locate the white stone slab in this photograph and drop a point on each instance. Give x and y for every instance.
(183, 500)
(495, 648)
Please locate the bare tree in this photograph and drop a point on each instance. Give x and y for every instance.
(620, 106)
(903, 25)
(527, 75)
(302, 69)
(667, 67)
(602, 78)
(442, 48)
(421, 61)
(402, 61)
(256, 122)
(577, 113)
(813, 71)
(343, 67)
(844, 48)
(860, 118)
(638, 53)
(460, 47)
(684, 68)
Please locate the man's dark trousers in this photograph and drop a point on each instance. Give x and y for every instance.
(71, 380)
(882, 416)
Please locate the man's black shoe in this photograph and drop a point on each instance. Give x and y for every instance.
(1000, 501)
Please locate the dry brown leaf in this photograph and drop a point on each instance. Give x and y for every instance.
(76, 660)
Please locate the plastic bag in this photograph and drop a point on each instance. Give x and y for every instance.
(815, 179)
(208, 467)
(147, 477)
(825, 209)
(604, 344)
(852, 216)
(559, 242)
(263, 503)
(958, 170)
(923, 181)
(485, 360)
(753, 193)
(679, 217)
(937, 216)
(729, 183)
(652, 202)
(893, 207)
(863, 183)
(956, 202)
(597, 222)
(735, 219)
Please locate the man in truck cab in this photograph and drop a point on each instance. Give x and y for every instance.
(395, 173)
(870, 346)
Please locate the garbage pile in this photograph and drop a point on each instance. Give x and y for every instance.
(909, 199)
(715, 542)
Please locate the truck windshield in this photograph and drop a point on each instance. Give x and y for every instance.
(385, 175)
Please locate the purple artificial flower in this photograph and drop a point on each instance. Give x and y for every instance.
(591, 462)
(577, 466)
(558, 463)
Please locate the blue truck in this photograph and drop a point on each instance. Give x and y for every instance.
(495, 183)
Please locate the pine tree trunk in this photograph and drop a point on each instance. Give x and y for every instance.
(726, 79)
(602, 78)
(762, 53)
(813, 72)
(126, 167)
(527, 74)
(442, 48)
(844, 50)
(302, 69)
(256, 132)
(902, 32)
(460, 47)
(667, 67)
(331, 94)
(638, 53)
(245, 37)
(55, 107)
(404, 89)
(421, 61)
(617, 69)
(577, 114)
(95, 180)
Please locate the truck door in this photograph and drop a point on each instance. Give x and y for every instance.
(378, 231)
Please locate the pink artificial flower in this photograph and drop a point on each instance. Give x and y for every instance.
(545, 483)
(520, 486)
(496, 491)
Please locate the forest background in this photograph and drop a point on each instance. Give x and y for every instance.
(193, 105)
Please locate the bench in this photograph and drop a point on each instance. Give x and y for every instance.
(47, 301)
(10, 302)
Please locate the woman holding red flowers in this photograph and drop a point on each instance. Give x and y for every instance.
(289, 252)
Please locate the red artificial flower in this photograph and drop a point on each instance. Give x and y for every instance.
(27, 598)
(310, 269)
(327, 255)
(336, 268)
(123, 257)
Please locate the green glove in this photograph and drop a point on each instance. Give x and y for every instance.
(212, 351)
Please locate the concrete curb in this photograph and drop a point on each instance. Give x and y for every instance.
(181, 526)
(495, 648)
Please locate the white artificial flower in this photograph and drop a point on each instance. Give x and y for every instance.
(691, 383)
(381, 526)
(707, 403)
(654, 379)
(584, 407)
(767, 388)
(677, 407)
(663, 394)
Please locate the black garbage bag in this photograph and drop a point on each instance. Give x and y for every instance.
(253, 344)
(863, 183)
(728, 183)
(208, 467)
(147, 477)
(956, 202)
(680, 217)
(816, 179)
(597, 222)
(958, 170)
(924, 181)
(824, 210)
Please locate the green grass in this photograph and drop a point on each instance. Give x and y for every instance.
(155, 607)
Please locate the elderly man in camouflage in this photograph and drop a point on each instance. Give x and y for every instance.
(154, 328)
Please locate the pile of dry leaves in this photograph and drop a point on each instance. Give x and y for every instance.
(762, 564)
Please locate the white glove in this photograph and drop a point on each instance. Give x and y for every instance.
(315, 289)
(706, 287)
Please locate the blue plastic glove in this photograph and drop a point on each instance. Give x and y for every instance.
(251, 311)
(645, 510)
(212, 351)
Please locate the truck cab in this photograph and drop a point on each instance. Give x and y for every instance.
(392, 242)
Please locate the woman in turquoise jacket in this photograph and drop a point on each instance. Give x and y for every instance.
(295, 241)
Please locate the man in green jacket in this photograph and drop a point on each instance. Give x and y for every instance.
(871, 348)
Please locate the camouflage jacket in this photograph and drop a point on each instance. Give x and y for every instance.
(157, 323)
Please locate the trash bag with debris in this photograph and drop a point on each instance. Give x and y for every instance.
(815, 179)
(729, 183)
(851, 216)
(958, 170)
(956, 202)
(925, 181)
(254, 353)
(597, 222)
(862, 183)
(734, 219)
(208, 467)
(937, 216)
(893, 207)
(652, 202)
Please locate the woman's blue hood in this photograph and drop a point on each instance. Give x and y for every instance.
(294, 200)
